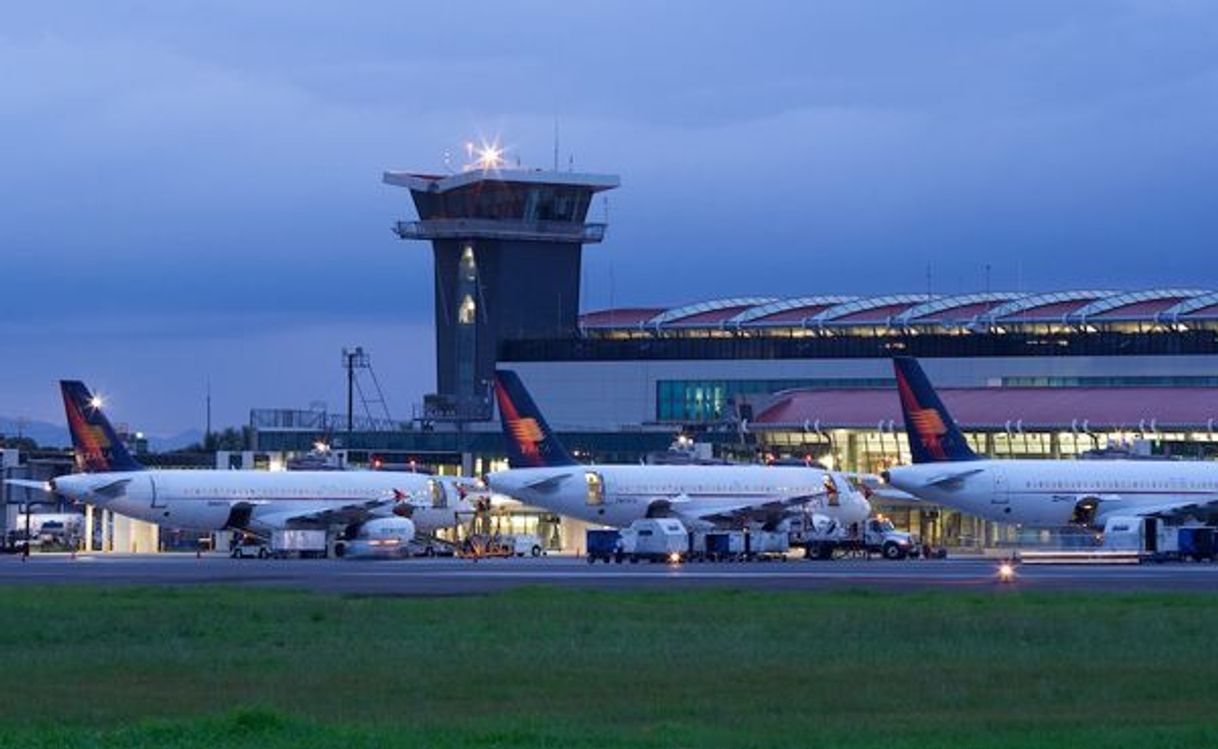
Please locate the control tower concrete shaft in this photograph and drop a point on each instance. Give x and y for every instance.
(507, 247)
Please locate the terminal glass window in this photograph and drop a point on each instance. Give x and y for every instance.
(513, 200)
(707, 400)
(1120, 381)
(467, 312)
(468, 272)
(596, 489)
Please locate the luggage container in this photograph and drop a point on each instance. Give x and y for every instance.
(722, 546)
(299, 542)
(655, 540)
(603, 544)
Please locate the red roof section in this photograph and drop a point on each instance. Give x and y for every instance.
(796, 315)
(963, 312)
(876, 314)
(1054, 311)
(618, 317)
(994, 407)
(715, 315)
(1141, 309)
(1210, 311)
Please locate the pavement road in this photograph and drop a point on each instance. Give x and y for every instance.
(441, 577)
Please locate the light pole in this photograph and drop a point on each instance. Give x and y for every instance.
(25, 553)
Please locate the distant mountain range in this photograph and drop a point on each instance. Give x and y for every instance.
(47, 434)
(44, 433)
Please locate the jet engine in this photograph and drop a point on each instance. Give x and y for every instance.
(388, 529)
(380, 537)
(1085, 510)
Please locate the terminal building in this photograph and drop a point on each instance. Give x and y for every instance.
(1032, 374)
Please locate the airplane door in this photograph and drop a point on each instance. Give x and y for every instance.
(1001, 495)
(439, 497)
(156, 501)
(596, 489)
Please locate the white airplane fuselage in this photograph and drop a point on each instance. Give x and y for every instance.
(617, 495)
(1046, 493)
(207, 500)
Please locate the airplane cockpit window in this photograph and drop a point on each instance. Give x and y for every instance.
(835, 499)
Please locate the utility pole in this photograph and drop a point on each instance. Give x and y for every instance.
(349, 361)
(353, 359)
(207, 430)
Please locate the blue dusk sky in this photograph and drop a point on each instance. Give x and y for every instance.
(192, 189)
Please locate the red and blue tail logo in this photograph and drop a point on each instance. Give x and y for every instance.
(530, 442)
(933, 435)
(97, 447)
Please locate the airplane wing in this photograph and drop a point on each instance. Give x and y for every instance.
(549, 483)
(757, 510)
(112, 489)
(337, 514)
(1206, 508)
(41, 486)
(949, 477)
(893, 494)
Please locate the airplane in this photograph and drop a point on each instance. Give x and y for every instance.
(1037, 493)
(387, 506)
(542, 473)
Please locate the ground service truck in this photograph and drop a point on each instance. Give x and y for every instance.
(876, 536)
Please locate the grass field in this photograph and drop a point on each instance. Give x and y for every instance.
(213, 667)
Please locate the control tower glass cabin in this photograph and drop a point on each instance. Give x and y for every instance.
(507, 246)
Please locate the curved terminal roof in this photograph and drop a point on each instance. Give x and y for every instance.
(1205, 305)
(978, 310)
(870, 309)
(955, 308)
(1054, 305)
(1135, 304)
(794, 310)
(714, 312)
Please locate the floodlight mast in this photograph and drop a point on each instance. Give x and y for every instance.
(353, 358)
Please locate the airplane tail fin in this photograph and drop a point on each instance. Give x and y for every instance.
(934, 436)
(531, 442)
(97, 446)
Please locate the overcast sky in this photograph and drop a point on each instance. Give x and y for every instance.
(191, 190)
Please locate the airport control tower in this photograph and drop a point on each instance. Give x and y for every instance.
(507, 246)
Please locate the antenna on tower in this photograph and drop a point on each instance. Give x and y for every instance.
(556, 144)
(207, 431)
